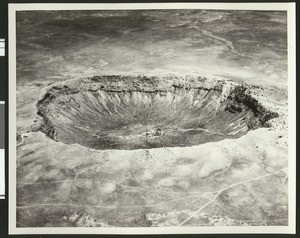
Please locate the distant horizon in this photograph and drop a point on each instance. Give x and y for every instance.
(230, 42)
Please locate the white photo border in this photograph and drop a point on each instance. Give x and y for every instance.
(290, 229)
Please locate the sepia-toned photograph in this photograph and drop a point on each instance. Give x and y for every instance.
(152, 119)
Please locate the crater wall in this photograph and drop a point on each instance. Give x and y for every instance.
(139, 112)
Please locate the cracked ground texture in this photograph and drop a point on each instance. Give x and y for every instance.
(240, 181)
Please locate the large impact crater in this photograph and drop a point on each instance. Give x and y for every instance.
(137, 112)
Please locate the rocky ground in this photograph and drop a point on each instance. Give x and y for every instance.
(72, 182)
(238, 59)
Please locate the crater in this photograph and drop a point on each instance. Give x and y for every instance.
(142, 112)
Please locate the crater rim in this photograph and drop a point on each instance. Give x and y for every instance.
(234, 98)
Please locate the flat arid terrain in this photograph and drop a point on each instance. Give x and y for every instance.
(152, 118)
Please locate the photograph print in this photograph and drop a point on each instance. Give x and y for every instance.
(151, 120)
